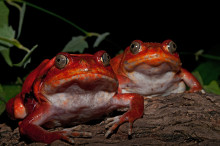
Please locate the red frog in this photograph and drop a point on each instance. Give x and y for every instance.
(71, 89)
(152, 69)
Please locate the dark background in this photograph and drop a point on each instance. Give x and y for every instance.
(192, 26)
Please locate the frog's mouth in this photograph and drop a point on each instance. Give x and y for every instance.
(85, 81)
(152, 61)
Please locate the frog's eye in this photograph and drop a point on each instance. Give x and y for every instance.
(135, 47)
(171, 47)
(61, 61)
(105, 59)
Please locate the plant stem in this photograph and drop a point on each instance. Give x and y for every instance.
(10, 2)
(54, 14)
(16, 43)
(211, 56)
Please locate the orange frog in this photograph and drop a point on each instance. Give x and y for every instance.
(152, 69)
(71, 89)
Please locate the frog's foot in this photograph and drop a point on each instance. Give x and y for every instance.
(36, 133)
(112, 124)
(115, 122)
(135, 103)
(73, 132)
(68, 134)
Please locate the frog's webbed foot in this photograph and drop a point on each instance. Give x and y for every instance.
(136, 104)
(112, 124)
(74, 132)
(69, 133)
(115, 122)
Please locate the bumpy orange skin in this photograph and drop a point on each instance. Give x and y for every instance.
(156, 61)
(84, 89)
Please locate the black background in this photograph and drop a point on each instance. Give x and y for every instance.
(192, 26)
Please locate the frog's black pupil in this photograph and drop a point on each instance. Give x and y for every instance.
(106, 57)
(135, 49)
(58, 60)
(132, 45)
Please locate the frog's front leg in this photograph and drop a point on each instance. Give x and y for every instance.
(191, 81)
(31, 127)
(135, 102)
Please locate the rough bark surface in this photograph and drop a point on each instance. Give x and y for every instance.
(178, 119)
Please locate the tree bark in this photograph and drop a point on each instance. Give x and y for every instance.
(177, 119)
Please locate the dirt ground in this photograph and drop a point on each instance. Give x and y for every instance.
(178, 119)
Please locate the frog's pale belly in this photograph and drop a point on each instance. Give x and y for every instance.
(71, 108)
(159, 84)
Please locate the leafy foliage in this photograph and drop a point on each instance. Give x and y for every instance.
(77, 44)
(208, 74)
(4, 12)
(7, 36)
(6, 93)
(100, 38)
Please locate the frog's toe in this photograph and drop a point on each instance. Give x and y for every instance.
(71, 132)
(67, 139)
(112, 121)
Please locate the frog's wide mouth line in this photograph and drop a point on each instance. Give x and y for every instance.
(152, 60)
(84, 71)
(83, 79)
(91, 76)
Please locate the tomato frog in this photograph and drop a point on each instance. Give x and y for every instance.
(71, 89)
(152, 69)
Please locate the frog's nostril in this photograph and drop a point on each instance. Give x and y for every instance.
(83, 62)
(84, 65)
(85, 69)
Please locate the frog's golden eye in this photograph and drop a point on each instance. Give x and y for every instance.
(135, 47)
(171, 47)
(61, 61)
(105, 59)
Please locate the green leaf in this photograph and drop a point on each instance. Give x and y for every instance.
(2, 107)
(100, 38)
(21, 19)
(198, 77)
(26, 58)
(4, 12)
(7, 92)
(2, 100)
(11, 91)
(6, 32)
(1, 91)
(209, 71)
(77, 44)
(6, 55)
(213, 87)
